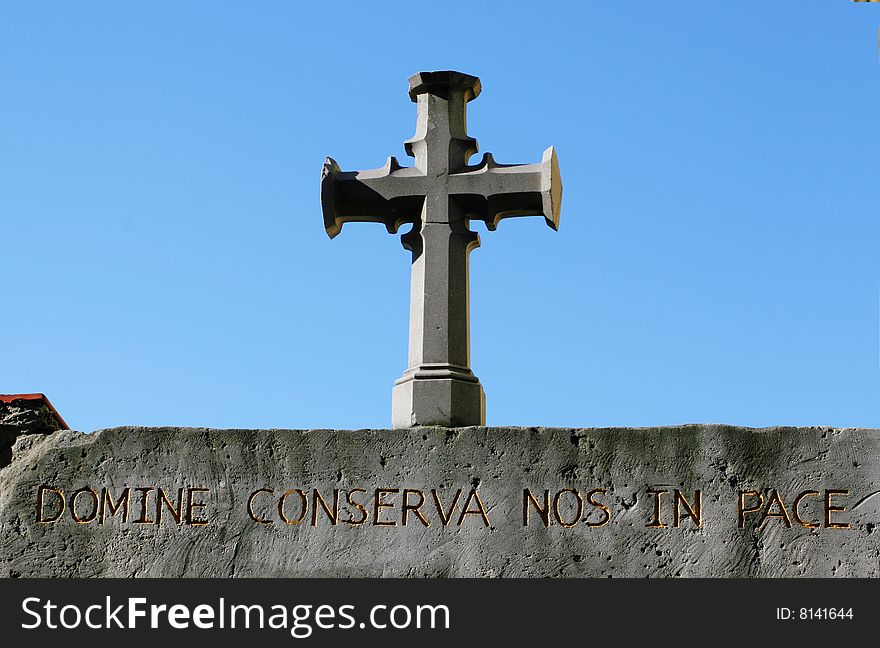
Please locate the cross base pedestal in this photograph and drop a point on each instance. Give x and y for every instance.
(437, 395)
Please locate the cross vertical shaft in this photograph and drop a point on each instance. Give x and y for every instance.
(438, 384)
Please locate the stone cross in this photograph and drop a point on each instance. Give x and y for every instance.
(439, 196)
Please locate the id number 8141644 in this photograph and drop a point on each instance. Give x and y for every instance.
(814, 614)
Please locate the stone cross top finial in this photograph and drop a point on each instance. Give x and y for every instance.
(439, 195)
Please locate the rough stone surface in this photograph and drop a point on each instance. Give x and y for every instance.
(498, 462)
(25, 415)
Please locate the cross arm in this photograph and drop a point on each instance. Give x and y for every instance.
(491, 191)
(391, 195)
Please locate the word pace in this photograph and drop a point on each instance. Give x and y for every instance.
(810, 509)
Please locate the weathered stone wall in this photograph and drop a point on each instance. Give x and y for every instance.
(24, 414)
(208, 478)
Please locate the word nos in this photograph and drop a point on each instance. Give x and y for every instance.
(152, 503)
(569, 507)
(360, 506)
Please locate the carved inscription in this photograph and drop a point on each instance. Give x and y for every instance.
(810, 509)
(134, 505)
(567, 508)
(381, 507)
(664, 508)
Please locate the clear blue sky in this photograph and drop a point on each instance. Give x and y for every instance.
(164, 260)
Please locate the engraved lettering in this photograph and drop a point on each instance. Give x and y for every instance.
(176, 511)
(192, 505)
(743, 510)
(782, 514)
(830, 509)
(481, 509)
(304, 506)
(605, 510)
(250, 505)
(358, 505)
(543, 513)
(655, 522)
(94, 512)
(379, 504)
(318, 501)
(41, 504)
(145, 497)
(579, 508)
(445, 516)
(693, 512)
(795, 509)
(107, 504)
(415, 508)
